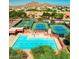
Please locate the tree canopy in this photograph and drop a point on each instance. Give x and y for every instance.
(46, 14)
(46, 52)
(67, 39)
(59, 15)
(15, 14)
(14, 55)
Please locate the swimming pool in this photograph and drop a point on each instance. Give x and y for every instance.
(60, 29)
(40, 26)
(25, 43)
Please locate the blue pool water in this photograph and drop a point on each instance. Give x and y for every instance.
(24, 43)
(60, 29)
(56, 2)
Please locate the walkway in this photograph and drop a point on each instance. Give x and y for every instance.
(29, 53)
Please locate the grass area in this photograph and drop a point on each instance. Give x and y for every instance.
(46, 52)
(16, 54)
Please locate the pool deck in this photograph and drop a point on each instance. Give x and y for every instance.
(12, 39)
(58, 44)
(63, 45)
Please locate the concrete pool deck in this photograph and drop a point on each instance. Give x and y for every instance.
(58, 44)
(12, 39)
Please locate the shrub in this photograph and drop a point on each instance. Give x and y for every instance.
(14, 55)
(46, 52)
